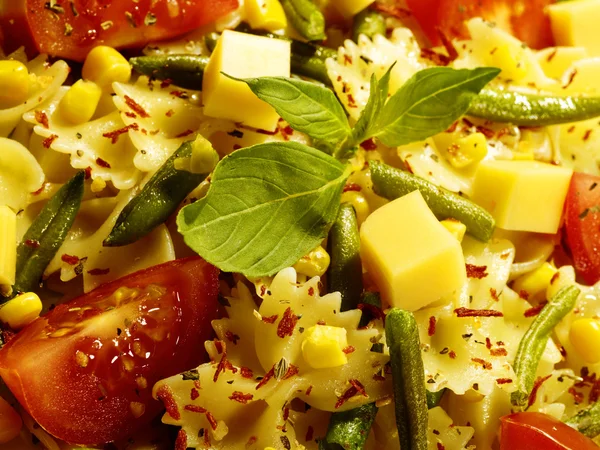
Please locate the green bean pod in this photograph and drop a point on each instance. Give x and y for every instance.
(349, 430)
(158, 199)
(369, 23)
(434, 398)
(306, 17)
(392, 183)
(534, 342)
(408, 375)
(587, 421)
(345, 269)
(186, 71)
(47, 233)
(533, 109)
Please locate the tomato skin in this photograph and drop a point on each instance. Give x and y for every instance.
(537, 431)
(582, 225)
(72, 31)
(88, 385)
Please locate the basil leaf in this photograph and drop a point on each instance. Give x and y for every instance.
(267, 206)
(429, 102)
(307, 107)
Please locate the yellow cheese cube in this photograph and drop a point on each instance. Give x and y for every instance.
(349, 8)
(412, 257)
(456, 227)
(582, 77)
(556, 60)
(585, 337)
(266, 14)
(522, 195)
(243, 56)
(575, 23)
(8, 246)
(323, 346)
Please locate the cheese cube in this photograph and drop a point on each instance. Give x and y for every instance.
(575, 23)
(522, 195)
(323, 346)
(349, 8)
(556, 60)
(412, 257)
(265, 14)
(243, 55)
(8, 247)
(582, 77)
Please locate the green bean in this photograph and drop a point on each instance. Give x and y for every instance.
(587, 421)
(535, 339)
(306, 17)
(158, 199)
(349, 430)
(369, 23)
(393, 183)
(369, 298)
(532, 109)
(434, 398)
(408, 375)
(47, 233)
(185, 71)
(345, 270)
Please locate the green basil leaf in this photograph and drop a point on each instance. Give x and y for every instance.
(307, 107)
(429, 103)
(267, 206)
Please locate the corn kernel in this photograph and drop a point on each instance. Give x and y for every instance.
(14, 83)
(359, 203)
(456, 227)
(80, 102)
(313, 264)
(98, 185)
(265, 14)
(467, 150)
(10, 422)
(323, 346)
(585, 337)
(8, 247)
(21, 310)
(535, 283)
(104, 65)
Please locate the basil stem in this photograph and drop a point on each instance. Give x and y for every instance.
(369, 23)
(534, 342)
(158, 199)
(434, 398)
(185, 71)
(306, 17)
(532, 109)
(392, 183)
(408, 375)
(47, 233)
(349, 430)
(587, 421)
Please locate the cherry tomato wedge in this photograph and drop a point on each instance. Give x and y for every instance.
(524, 19)
(582, 225)
(537, 431)
(85, 370)
(71, 28)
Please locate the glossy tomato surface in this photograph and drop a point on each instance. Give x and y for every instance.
(71, 28)
(85, 370)
(537, 431)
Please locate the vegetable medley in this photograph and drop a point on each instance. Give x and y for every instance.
(299, 224)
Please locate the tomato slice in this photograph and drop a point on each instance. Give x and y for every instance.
(71, 28)
(537, 431)
(582, 225)
(526, 20)
(85, 370)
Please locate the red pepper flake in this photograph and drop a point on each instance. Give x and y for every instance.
(536, 386)
(42, 118)
(169, 113)
(587, 135)
(308, 390)
(571, 129)
(368, 145)
(165, 395)
(267, 132)
(223, 365)
(440, 446)
(487, 132)
(195, 409)
(474, 271)
(206, 438)
(577, 396)
(181, 441)
(292, 370)
(251, 441)
(571, 78)
(552, 55)
(488, 343)
(467, 312)
(211, 420)
(486, 365)
(359, 387)
(50, 139)
(70, 259)
(355, 388)
(32, 243)
(114, 135)
(102, 163)
(563, 352)
(180, 94)
(452, 354)
(309, 434)
(352, 187)
(131, 115)
(194, 394)
(595, 391)
(494, 294)
(321, 322)
(245, 372)
(447, 43)
(241, 397)
(287, 323)
(311, 291)
(498, 352)
(431, 328)
(348, 350)
(166, 83)
(504, 380)
(39, 191)
(88, 173)
(524, 294)
(184, 133)
(136, 107)
(286, 414)
(555, 277)
(232, 337)
(347, 59)
(270, 319)
(266, 378)
(437, 58)
(98, 271)
(534, 310)
(452, 128)
(351, 101)
(219, 346)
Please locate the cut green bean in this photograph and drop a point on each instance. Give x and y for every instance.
(185, 71)
(306, 17)
(47, 233)
(587, 421)
(158, 199)
(349, 430)
(535, 339)
(392, 183)
(345, 270)
(369, 23)
(533, 109)
(434, 398)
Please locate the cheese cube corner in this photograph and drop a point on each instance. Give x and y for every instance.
(522, 195)
(349, 8)
(243, 55)
(412, 257)
(575, 23)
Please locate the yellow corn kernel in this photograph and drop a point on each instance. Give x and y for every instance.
(359, 203)
(21, 310)
(10, 422)
(104, 65)
(8, 247)
(585, 337)
(314, 263)
(456, 227)
(323, 346)
(534, 284)
(14, 83)
(80, 102)
(265, 14)
(511, 67)
(467, 150)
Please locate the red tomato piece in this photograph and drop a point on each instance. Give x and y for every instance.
(537, 431)
(85, 370)
(582, 225)
(71, 28)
